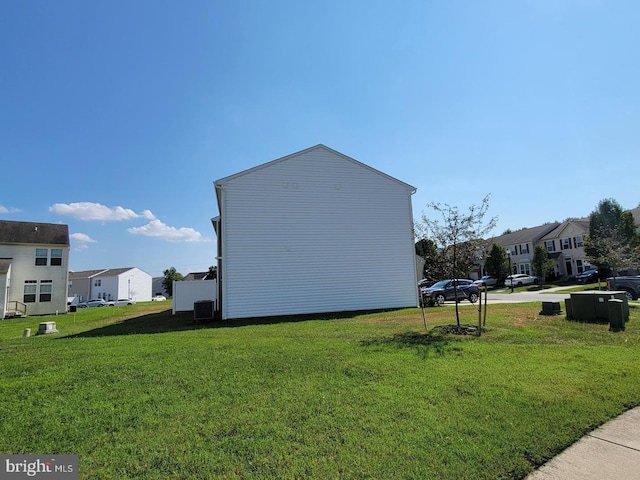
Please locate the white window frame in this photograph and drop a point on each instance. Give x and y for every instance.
(45, 288)
(41, 254)
(31, 289)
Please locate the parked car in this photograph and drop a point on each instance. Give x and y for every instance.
(445, 290)
(124, 301)
(487, 280)
(593, 275)
(99, 302)
(628, 284)
(520, 279)
(158, 298)
(425, 282)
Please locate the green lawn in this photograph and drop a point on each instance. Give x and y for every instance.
(138, 393)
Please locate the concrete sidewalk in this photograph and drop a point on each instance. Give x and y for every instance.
(609, 452)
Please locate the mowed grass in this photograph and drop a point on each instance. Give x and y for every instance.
(140, 394)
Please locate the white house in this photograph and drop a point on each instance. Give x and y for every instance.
(34, 261)
(111, 284)
(315, 231)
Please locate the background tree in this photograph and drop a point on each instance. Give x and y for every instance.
(212, 274)
(497, 263)
(613, 240)
(457, 235)
(434, 266)
(170, 275)
(542, 264)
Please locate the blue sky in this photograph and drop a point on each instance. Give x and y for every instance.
(117, 116)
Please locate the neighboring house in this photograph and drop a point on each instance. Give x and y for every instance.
(635, 212)
(315, 231)
(111, 284)
(34, 261)
(195, 276)
(520, 245)
(565, 245)
(157, 288)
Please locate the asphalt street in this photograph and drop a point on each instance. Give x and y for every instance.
(519, 297)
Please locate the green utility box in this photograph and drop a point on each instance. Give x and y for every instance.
(616, 315)
(593, 306)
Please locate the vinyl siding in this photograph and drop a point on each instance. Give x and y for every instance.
(23, 268)
(316, 233)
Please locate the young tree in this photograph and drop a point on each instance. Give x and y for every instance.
(542, 264)
(613, 238)
(458, 234)
(498, 263)
(169, 276)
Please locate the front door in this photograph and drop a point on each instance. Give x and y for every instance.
(569, 266)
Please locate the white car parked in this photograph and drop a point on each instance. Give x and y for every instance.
(158, 298)
(99, 302)
(124, 301)
(487, 280)
(520, 279)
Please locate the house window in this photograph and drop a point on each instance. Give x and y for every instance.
(513, 251)
(56, 256)
(566, 243)
(41, 256)
(30, 287)
(551, 245)
(524, 248)
(577, 241)
(525, 268)
(46, 288)
(579, 266)
(97, 283)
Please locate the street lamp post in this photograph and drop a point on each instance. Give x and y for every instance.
(510, 268)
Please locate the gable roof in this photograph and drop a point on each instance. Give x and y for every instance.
(525, 235)
(222, 181)
(582, 224)
(105, 272)
(114, 272)
(85, 274)
(34, 233)
(195, 276)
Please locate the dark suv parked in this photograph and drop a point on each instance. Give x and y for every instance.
(592, 275)
(445, 290)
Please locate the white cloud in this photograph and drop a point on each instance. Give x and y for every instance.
(155, 228)
(97, 211)
(82, 237)
(80, 241)
(4, 209)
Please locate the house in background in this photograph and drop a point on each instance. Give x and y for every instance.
(315, 231)
(111, 284)
(565, 245)
(34, 261)
(195, 276)
(521, 243)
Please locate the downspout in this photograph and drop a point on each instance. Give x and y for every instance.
(413, 248)
(220, 250)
